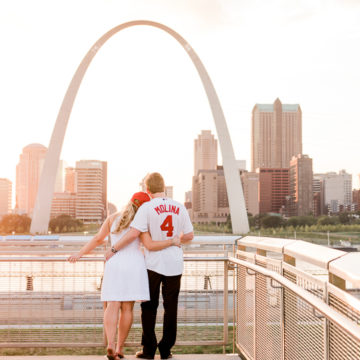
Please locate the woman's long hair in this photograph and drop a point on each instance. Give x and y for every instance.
(126, 217)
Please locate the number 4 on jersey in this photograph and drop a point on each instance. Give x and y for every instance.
(167, 226)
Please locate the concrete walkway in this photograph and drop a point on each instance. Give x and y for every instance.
(130, 357)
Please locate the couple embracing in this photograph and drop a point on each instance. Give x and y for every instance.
(161, 225)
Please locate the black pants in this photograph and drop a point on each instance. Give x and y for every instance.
(170, 287)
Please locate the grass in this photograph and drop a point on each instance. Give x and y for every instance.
(314, 237)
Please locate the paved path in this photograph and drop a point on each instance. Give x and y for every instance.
(130, 357)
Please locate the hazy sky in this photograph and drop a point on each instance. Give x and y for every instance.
(141, 103)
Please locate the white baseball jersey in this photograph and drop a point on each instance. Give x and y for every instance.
(164, 218)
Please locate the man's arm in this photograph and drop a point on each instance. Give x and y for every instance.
(129, 237)
(186, 238)
(152, 245)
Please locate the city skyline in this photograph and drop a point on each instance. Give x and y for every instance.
(43, 55)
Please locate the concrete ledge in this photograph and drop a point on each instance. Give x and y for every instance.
(347, 268)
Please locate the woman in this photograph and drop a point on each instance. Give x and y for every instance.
(125, 276)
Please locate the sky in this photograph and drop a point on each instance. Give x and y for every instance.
(141, 103)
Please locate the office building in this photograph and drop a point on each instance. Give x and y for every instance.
(250, 183)
(356, 199)
(337, 190)
(301, 185)
(70, 180)
(276, 135)
(273, 189)
(63, 203)
(91, 194)
(5, 196)
(205, 152)
(28, 172)
(209, 197)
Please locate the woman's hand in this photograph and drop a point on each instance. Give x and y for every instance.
(176, 241)
(74, 258)
(109, 254)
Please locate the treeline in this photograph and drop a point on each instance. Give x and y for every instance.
(343, 222)
(274, 221)
(20, 224)
(65, 223)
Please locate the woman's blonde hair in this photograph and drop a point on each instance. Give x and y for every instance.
(127, 216)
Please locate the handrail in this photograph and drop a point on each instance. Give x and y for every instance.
(98, 258)
(342, 266)
(82, 239)
(312, 300)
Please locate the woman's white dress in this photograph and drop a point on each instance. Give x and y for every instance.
(125, 274)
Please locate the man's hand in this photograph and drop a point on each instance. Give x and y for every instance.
(74, 258)
(109, 254)
(186, 238)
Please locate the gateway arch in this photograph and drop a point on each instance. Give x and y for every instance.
(42, 208)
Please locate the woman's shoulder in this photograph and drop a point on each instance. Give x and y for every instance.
(113, 217)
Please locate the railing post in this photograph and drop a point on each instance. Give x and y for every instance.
(226, 304)
(288, 321)
(234, 268)
(327, 327)
(282, 321)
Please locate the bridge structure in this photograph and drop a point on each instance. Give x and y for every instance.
(41, 215)
(257, 297)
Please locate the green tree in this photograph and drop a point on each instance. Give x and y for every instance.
(65, 223)
(272, 221)
(344, 218)
(15, 222)
(328, 220)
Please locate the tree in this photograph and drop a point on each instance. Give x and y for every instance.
(344, 218)
(15, 223)
(65, 223)
(272, 221)
(328, 220)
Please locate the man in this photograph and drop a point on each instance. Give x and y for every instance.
(164, 218)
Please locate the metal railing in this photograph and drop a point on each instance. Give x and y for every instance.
(289, 299)
(294, 301)
(47, 301)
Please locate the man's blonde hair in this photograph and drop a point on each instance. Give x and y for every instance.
(155, 183)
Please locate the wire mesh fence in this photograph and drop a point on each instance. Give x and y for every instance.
(284, 315)
(47, 301)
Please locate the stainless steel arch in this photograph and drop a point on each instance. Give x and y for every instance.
(42, 208)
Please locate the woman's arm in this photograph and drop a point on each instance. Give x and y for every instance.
(97, 240)
(152, 245)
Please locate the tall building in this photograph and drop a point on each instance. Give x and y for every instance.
(273, 189)
(250, 183)
(301, 185)
(356, 199)
(276, 135)
(209, 197)
(63, 203)
(318, 195)
(28, 173)
(5, 196)
(337, 190)
(169, 192)
(205, 152)
(91, 197)
(70, 180)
